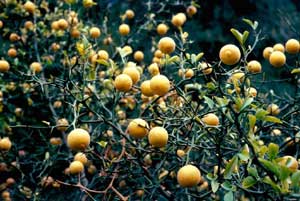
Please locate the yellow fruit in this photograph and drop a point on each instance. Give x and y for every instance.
(102, 54)
(138, 128)
(146, 89)
(237, 77)
(277, 59)
(123, 83)
(252, 92)
(81, 157)
(75, 33)
(36, 67)
(180, 153)
(62, 124)
(78, 139)
(276, 132)
(189, 73)
(76, 167)
(290, 162)
(166, 45)
(292, 46)
(55, 141)
(160, 85)
(191, 10)
(206, 68)
(127, 49)
(29, 7)
(13, 37)
(133, 73)
(129, 14)
(230, 54)
(178, 20)
(188, 176)
(278, 47)
(254, 66)
(124, 29)
(158, 54)
(4, 66)
(88, 3)
(153, 69)
(267, 52)
(273, 109)
(62, 24)
(28, 25)
(12, 52)
(158, 137)
(95, 32)
(210, 119)
(138, 56)
(162, 29)
(1, 24)
(5, 144)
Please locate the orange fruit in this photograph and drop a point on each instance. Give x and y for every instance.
(62, 124)
(292, 46)
(188, 176)
(129, 14)
(158, 137)
(1, 24)
(277, 59)
(29, 7)
(237, 76)
(206, 68)
(13, 37)
(252, 92)
(78, 139)
(158, 54)
(210, 119)
(290, 162)
(133, 73)
(81, 157)
(146, 88)
(62, 24)
(28, 25)
(166, 45)
(76, 167)
(138, 56)
(102, 54)
(189, 73)
(54, 25)
(123, 83)
(75, 33)
(230, 54)
(36, 67)
(162, 29)
(95, 32)
(191, 10)
(5, 144)
(278, 47)
(267, 52)
(124, 29)
(178, 20)
(273, 109)
(160, 85)
(55, 141)
(4, 66)
(138, 128)
(12, 52)
(254, 66)
(180, 153)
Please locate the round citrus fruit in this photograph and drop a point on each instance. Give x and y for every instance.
(124, 29)
(76, 167)
(188, 176)
(158, 137)
(292, 46)
(146, 89)
(254, 66)
(160, 85)
(277, 59)
(267, 52)
(4, 66)
(210, 119)
(230, 54)
(166, 45)
(138, 128)
(133, 73)
(78, 139)
(123, 83)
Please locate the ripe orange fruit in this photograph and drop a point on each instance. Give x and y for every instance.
(254, 66)
(62, 24)
(123, 83)
(230, 54)
(62, 124)
(188, 176)
(102, 54)
(12, 52)
(29, 7)
(210, 119)
(5, 144)
(252, 92)
(153, 69)
(162, 29)
(81, 157)
(292, 46)
(129, 14)
(55, 141)
(133, 73)
(78, 139)
(289, 162)
(36, 67)
(146, 88)
(180, 153)
(158, 137)
(75, 33)
(28, 25)
(273, 109)
(158, 54)
(277, 59)
(191, 10)
(138, 56)
(278, 47)
(95, 32)
(76, 167)
(124, 29)
(267, 52)
(166, 45)
(178, 20)
(1, 24)
(160, 85)
(54, 25)
(4, 66)
(138, 128)
(189, 73)
(13, 37)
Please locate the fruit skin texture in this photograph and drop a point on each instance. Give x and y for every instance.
(76, 167)
(292, 46)
(158, 137)
(5, 144)
(178, 20)
(78, 139)
(146, 89)
(4, 66)
(124, 29)
(162, 29)
(230, 54)
(129, 14)
(95, 32)
(267, 52)
(254, 66)
(211, 119)
(273, 109)
(62, 124)
(277, 59)
(36, 67)
(289, 162)
(166, 45)
(160, 85)
(123, 83)
(133, 73)
(81, 157)
(278, 47)
(138, 56)
(188, 176)
(138, 128)
(191, 10)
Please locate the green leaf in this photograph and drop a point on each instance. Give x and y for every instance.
(247, 102)
(253, 172)
(229, 196)
(230, 167)
(228, 186)
(273, 167)
(295, 178)
(248, 182)
(261, 113)
(214, 186)
(252, 121)
(209, 102)
(273, 150)
(295, 70)
(249, 22)
(268, 180)
(272, 119)
(199, 56)
(245, 36)
(284, 173)
(237, 35)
